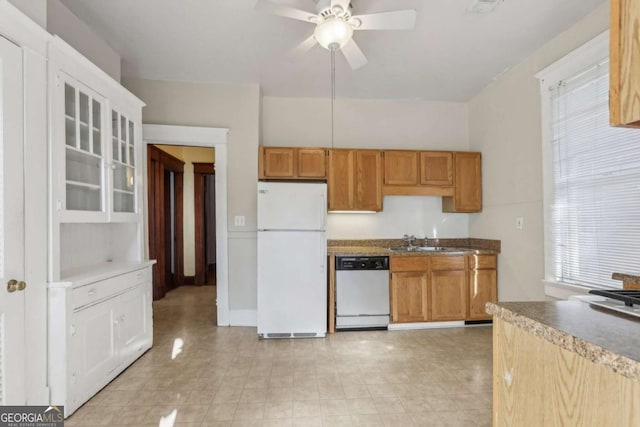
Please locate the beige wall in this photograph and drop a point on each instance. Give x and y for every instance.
(34, 9)
(236, 107)
(61, 22)
(505, 124)
(371, 123)
(189, 155)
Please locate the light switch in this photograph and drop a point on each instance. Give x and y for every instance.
(239, 220)
(519, 222)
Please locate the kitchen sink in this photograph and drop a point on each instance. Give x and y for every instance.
(421, 249)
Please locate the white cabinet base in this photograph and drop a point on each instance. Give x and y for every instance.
(97, 327)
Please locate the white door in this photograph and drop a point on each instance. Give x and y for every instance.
(12, 316)
(292, 206)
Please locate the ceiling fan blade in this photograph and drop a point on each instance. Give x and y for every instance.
(344, 4)
(354, 55)
(285, 11)
(397, 20)
(303, 47)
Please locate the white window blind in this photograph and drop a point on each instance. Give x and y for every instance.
(596, 207)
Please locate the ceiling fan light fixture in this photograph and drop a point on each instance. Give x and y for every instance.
(355, 22)
(333, 31)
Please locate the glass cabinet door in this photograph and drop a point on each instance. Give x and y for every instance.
(83, 151)
(123, 157)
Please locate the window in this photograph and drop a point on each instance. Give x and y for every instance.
(592, 193)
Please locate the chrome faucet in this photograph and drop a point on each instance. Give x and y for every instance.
(410, 239)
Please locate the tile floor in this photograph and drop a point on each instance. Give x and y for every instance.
(198, 374)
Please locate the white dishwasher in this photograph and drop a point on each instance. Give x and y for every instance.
(362, 292)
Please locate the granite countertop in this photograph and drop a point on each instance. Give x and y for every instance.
(605, 338)
(378, 247)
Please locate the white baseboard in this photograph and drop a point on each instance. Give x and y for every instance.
(425, 325)
(243, 318)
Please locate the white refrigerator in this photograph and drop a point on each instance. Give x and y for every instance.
(292, 260)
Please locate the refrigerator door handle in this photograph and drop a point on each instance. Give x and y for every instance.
(324, 211)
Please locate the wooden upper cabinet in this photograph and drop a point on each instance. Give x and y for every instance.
(436, 168)
(467, 195)
(312, 162)
(401, 167)
(624, 64)
(355, 180)
(341, 181)
(292, 163)
(368, 180)
(278, 162)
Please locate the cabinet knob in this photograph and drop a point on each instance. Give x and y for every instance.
(15, 285)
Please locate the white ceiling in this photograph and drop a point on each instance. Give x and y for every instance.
(450, 55)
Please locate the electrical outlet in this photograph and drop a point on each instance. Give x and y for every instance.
(239, 220)
(519, 222)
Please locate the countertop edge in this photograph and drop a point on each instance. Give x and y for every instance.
(615, 362)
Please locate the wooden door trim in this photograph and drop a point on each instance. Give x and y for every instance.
(157, 162)
(200, 170)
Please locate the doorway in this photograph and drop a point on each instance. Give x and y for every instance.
(214, 138)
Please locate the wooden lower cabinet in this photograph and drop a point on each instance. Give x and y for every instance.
(448, 287)
(483, 285)
(536, 383)
(409, 300)
(448, 295)
(441, 288)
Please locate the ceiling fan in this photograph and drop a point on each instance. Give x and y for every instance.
(335, 24)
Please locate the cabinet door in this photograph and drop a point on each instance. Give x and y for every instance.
(482, 289)
(133, 322)
(448, 295)
(78, 135)
(368, 180)
(624, 64)
(123, 163)
(278, 162)
(409, 300)
(312, 162)
(436, 168)
(467, 184)
(341, 180)
(401, 167)
(94, 355)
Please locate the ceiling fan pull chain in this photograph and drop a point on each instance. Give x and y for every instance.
(333, 88)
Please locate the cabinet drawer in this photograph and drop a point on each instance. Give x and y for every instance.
(477, 262)
(96, 291)
(409, 263)
(447, 263)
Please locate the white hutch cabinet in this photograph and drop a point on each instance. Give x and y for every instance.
(100, 316)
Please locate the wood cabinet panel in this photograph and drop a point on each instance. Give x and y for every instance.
(467, 195)
(311, 162)
(537, 383)
(278, 162)
(368, 180)
(448, 263)
(436, 168)
(482, 261)
(409, 300)
(624, 64)
(448, 296)
(409, 263)
(401, 167)
(482, 289)
(341, 180)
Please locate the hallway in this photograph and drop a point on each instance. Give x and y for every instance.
(198, 374)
